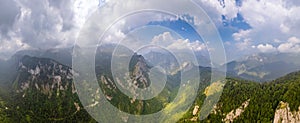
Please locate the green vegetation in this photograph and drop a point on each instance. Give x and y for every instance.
(264, 99)
(43, 95)
(3, 114)
(35, 106)
(39, 97)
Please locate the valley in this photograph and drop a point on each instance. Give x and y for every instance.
(43, 91)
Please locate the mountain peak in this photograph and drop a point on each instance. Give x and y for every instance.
(139, 71)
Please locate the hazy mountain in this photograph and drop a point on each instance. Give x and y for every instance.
(8, 70)
(42, 89)
(62, 55)
(45, 85)
(264, 67)
(137, 76)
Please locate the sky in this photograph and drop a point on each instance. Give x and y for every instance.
(245, 26)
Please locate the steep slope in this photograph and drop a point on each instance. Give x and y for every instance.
(284, 114)
(8, 71)
(43, 92)
(264, 101)
(3, 111)
(138, 77)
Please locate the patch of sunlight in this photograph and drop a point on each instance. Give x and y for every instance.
(214, 88)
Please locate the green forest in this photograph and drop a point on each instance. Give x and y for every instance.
(32, 98)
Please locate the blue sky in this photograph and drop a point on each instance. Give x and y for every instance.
(270, 28)
(227, 29)
(245, 26)
(181, 27)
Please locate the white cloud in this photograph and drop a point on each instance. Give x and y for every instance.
(270, 20)
(48, 23)
(244, 45)
(8, 14)
(41, 24)
(168, 41)
(215, 9)
(284, 28)
(291, 46)
(164, 39)
(266, 48)
(198, 46)
(9, 46)
(241, 35)
(83, 9)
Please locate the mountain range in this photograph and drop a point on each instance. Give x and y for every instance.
(260, 67)
(264, 67)
(37, 86)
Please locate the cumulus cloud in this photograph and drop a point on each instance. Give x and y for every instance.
(164, 39)
(113, 9)
(50, 23)
(243, 42)
(8, 13)
(242, 35)
(243, 45)
(266, 48)
(215, 8)
(7, 48)
(291, 46)
(40, 24)
(168, 41)
(270, 20)
(45, 24)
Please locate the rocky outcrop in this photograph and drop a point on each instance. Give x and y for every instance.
(236, 113)
(195, 111)
(45, 87)
(283, 114)
(44, 75)
(140, 73)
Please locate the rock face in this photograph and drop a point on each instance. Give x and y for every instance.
(195, 111)
(283, 114)
(236, 113)
(140, 75)
(45, 88)
(44, 75)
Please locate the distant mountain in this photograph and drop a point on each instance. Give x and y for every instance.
(138, 76)
(8, 71)
(42, 89)
(2, 68)
(164, 59)
(62, 55)
(264, 67)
